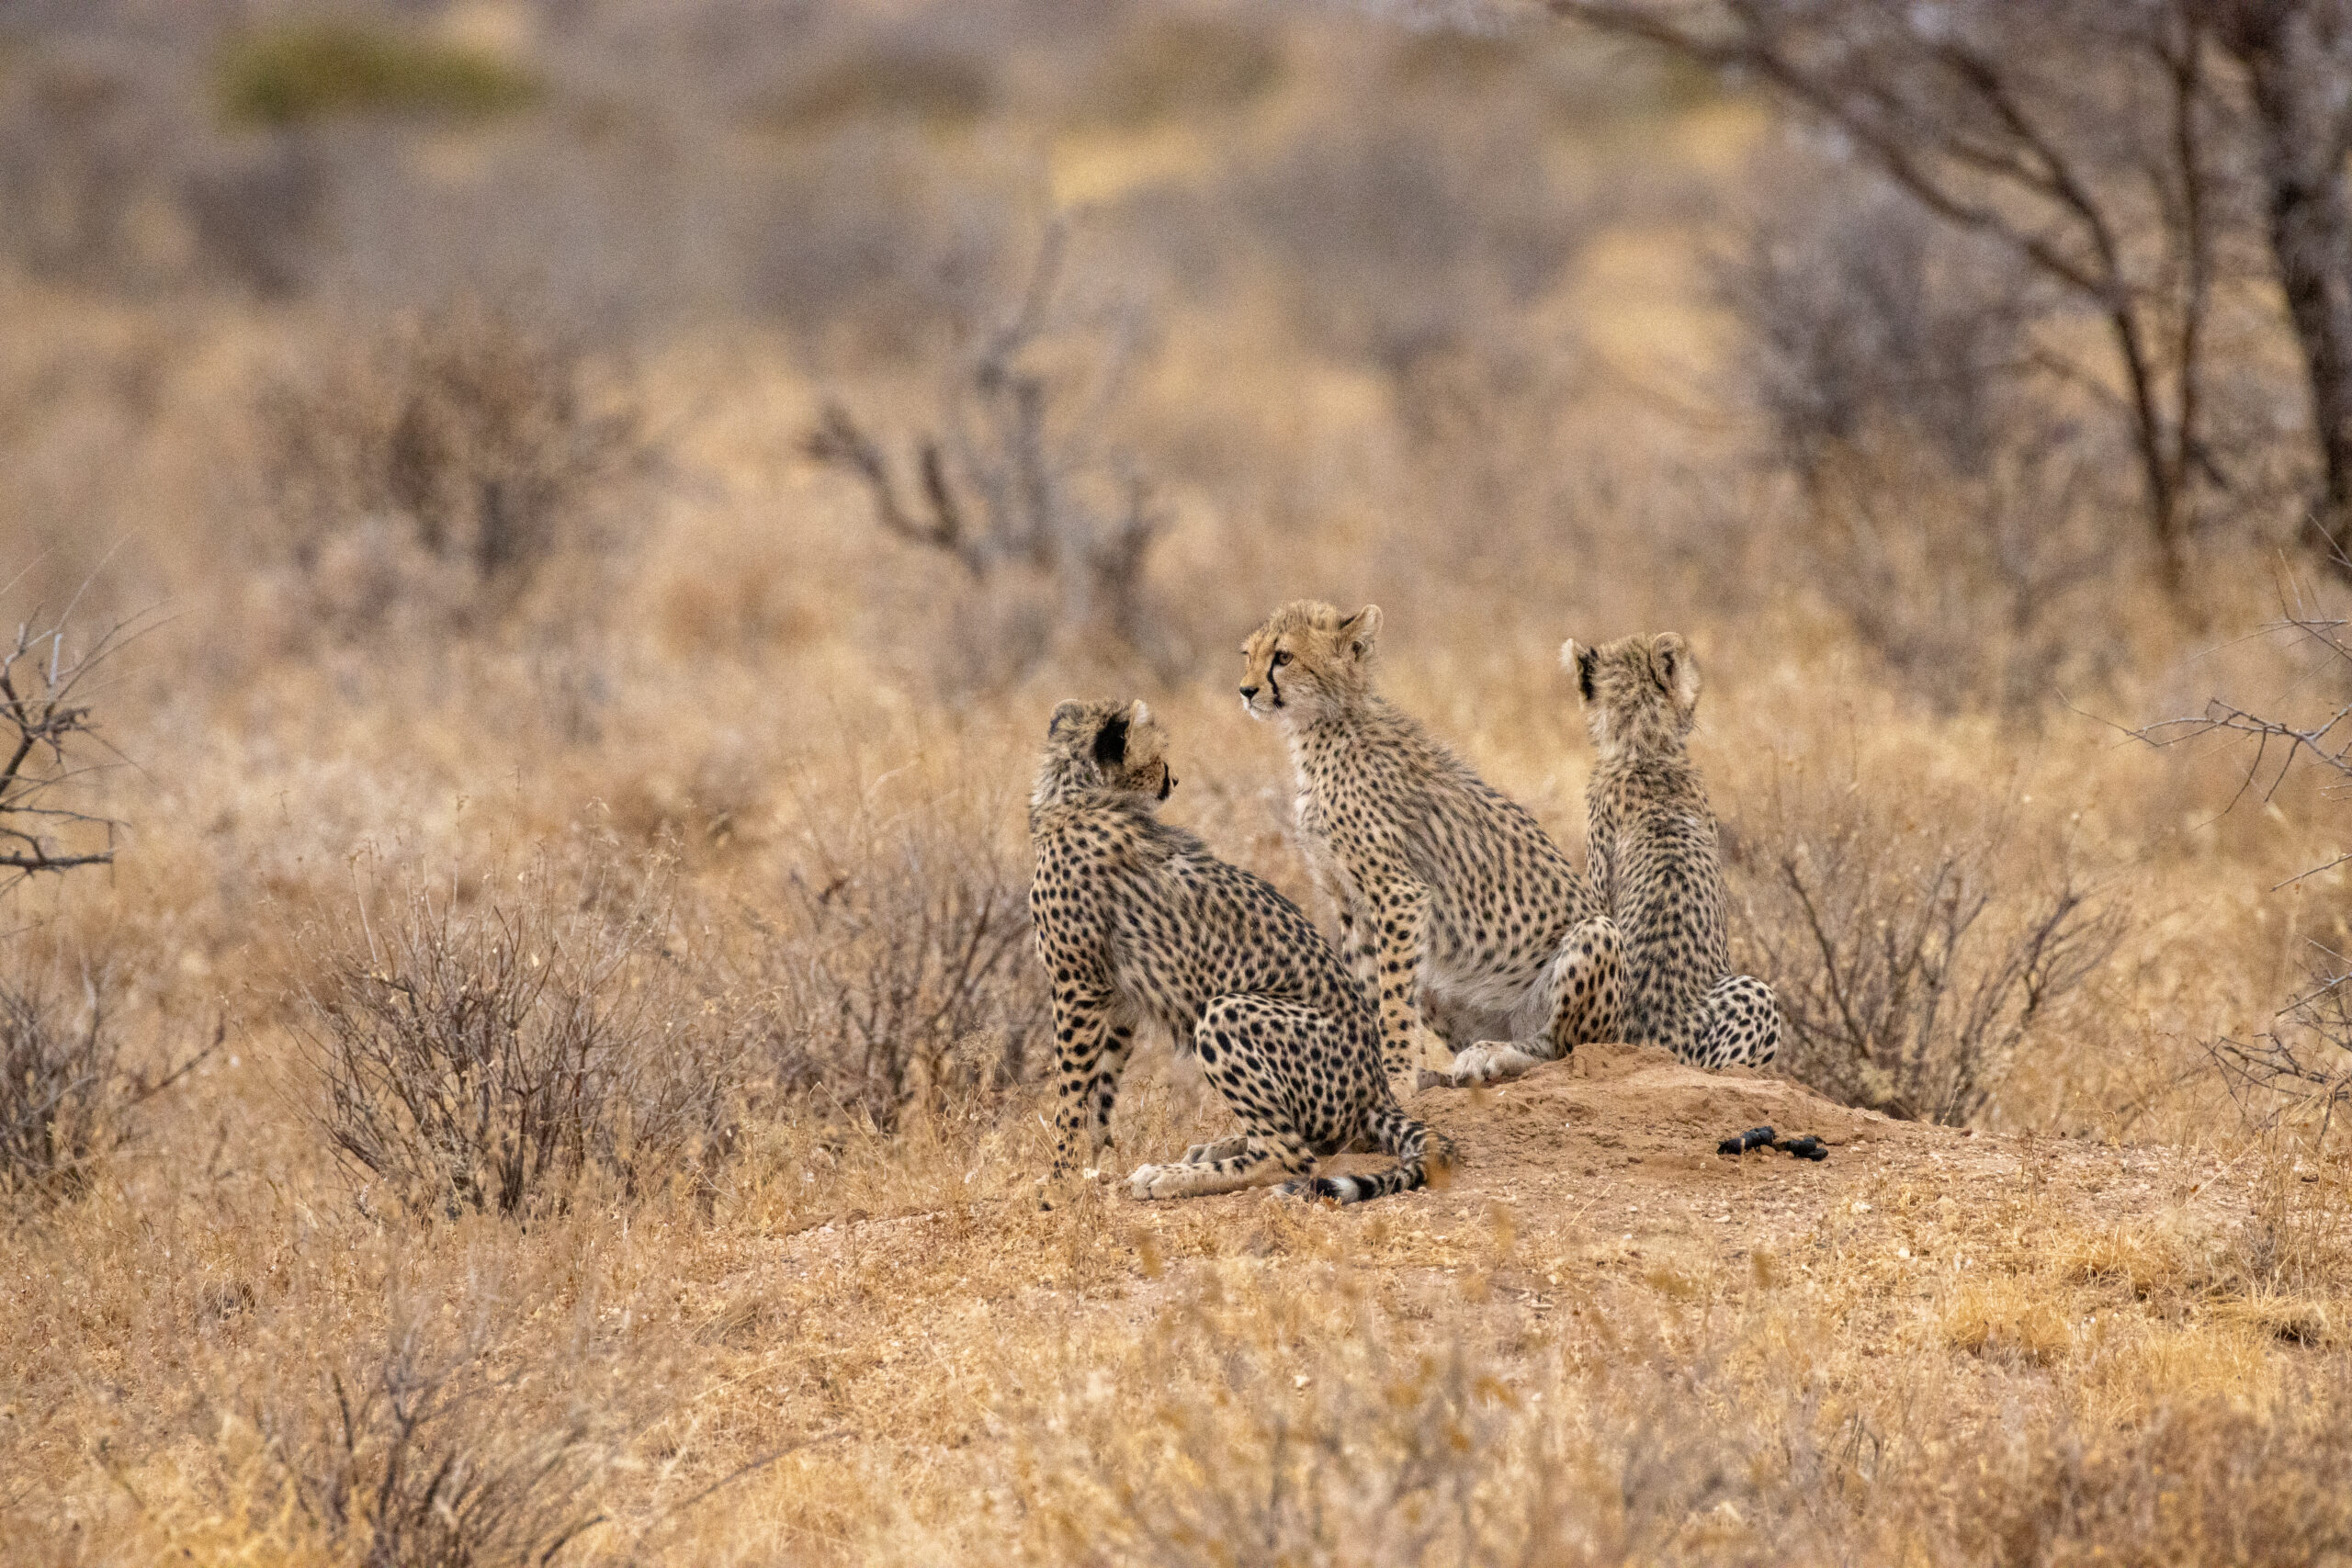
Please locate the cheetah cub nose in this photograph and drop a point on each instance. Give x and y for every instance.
(1249, 692)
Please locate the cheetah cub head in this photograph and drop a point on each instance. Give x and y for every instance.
(1113, 746)
(1640, 693)
(1309, 661)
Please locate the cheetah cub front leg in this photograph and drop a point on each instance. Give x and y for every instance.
(1587, 986)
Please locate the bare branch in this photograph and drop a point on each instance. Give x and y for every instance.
(40, 723)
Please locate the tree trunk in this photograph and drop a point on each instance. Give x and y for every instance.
(2294, 72)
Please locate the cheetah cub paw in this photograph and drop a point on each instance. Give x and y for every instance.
(1161, 1181)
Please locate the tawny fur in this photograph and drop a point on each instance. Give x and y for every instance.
(1651, 841)
(1456, 912)
(1139, 926)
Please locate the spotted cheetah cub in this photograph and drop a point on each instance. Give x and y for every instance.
(1452, 901)
(1138, 925)
(1651, 839)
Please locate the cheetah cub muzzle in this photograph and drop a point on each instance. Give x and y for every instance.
(1651, 845)
(1140, 927)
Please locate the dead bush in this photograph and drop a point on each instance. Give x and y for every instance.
(1859, 316)
(1019, 485)
(1168, 67)
(431, 1457)
(2204, 1482)
(90, 132)
(258, 214)
(488, 1057)
(1976, 590)
(1908, 976)
(903, 970)
(1957, 509)
(68, 1094)
(1258, 1431)
(441, 467)
(901, 78)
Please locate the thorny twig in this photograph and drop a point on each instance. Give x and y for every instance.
(41, 712)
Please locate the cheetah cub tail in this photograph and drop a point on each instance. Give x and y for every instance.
(1420, 1155)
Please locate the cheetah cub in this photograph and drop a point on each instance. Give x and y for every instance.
(1139, 926)
(1452, 901)
(1651, 841)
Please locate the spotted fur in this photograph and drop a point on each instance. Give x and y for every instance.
(1139, 926)
(1651, 839)
(1455, 909)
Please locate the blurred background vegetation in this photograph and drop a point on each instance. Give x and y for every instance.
(625, 479)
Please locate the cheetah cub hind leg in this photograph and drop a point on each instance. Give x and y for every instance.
(1738, 1025)
(1419, 1152)
(1247, 1047)
(1260, 1161)
(1586, 987)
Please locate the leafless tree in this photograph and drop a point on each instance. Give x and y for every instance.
(2297, 57)
(2080, 135)
(44, 718)
(2100, 139)
(1014, 479)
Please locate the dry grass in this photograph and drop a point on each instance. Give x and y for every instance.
(717, 1238)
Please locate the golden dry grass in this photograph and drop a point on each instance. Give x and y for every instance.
(2107, 1323)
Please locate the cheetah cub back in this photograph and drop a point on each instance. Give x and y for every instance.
(1651, 847)
(1139, 926)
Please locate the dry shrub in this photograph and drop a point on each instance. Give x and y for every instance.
(2200, 1483)
(904, 970)
(85, 129)
(1053, 524)
(432, 1456)
(66, 1093)
(439, 468)
(488, 1059)
(1266, 1428)
(1984, 592)
(1861, 316)
(1275, 1427)
(905, 79)
(1171, 67)
(1908, 973)
(1957, 510)
(258, 213)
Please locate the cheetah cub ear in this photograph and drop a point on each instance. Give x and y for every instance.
(1065, 714)
(1678, 671)
(1111, 740)
(1359, 631)
(1580, 661)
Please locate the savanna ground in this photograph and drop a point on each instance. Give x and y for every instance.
(552, 1069)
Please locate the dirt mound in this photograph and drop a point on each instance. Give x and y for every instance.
(1619, 1103)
